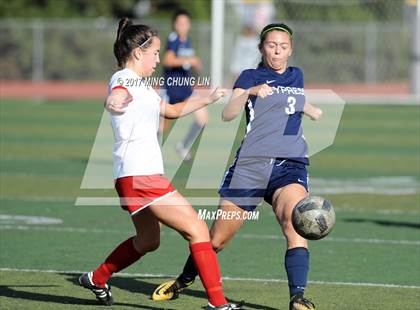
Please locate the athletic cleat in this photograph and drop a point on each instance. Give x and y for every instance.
(230, 306)
(183, 152)
(103, 294)
(170, 289)
(298, 302)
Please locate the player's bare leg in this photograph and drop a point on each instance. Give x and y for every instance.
(146, 240)
(222, 230)
(175, 212)
(297, 255)
(147, 226)
(284, 200)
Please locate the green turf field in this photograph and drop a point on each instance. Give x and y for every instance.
(371, 260)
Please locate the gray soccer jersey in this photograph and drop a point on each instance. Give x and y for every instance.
(274, 123)
(274, 127)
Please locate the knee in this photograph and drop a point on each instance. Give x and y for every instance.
(286, 225)
(146, 245)
(217, 244)
(289, 232)
(218, 240)
(197, 232)
(288, 229)
(293, 239)
(153, 245)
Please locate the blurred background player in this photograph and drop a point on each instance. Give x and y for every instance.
(138, 168)
(271, 161)
(245, 52)
(179, 60)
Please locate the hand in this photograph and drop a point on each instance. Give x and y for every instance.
(313, 112)
(217, 94)
(196, 63)
(316, 115)
(116, 104)
(262, 90)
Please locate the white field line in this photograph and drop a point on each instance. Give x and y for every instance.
(149, 275)
(239, 236)
(38, 198)
(58, 229)
(208, 201)
(337, 239)
(400, 185)
(379, 211)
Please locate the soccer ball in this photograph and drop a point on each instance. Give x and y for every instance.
(313, 217)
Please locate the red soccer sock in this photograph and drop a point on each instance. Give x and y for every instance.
(123, 256)
(205, 260)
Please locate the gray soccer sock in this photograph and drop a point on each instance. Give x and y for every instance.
(192, 134)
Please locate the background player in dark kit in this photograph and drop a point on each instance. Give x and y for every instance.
(179, 60)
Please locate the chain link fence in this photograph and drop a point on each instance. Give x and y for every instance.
(74, 49)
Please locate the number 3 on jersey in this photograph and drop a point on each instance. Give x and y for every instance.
(293, 118)
(291, 101)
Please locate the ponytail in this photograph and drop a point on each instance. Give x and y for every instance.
(122, 25)
(129, 37)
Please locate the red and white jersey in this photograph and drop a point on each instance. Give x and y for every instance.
(136, 148)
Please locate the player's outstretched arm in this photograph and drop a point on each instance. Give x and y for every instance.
(181, 109)
(171, 60)
(239, 97)
(313, 112)
(117, 101)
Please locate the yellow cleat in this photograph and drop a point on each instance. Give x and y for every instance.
(298, 302)
(162, 292)
(170, 289)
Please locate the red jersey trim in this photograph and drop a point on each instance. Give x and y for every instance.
(119, 87)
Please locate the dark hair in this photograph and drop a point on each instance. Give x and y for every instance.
(129, 37)
(269, 28)
(180, 12)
